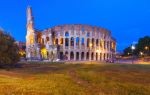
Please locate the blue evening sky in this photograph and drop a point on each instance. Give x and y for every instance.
(127, 19)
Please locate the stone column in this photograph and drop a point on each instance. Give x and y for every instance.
(98, 56)
(69, 45)
(75, 43)
(94, 55)
(64, 44)
(85, 43)
(108, 46)
(79, 55)
(74, 56)
(80, 41)
(68, 55)
(90, 58)
(102, 56)
(85, 55)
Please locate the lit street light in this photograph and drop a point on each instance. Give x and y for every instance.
(141, 53)
(132, 48)
(146, 48)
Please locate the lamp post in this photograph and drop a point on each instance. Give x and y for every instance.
(132, 48)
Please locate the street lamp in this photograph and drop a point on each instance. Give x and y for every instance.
(132, 48)
(146, 50)
(141, 53)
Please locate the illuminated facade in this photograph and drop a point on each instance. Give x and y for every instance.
(73, 42)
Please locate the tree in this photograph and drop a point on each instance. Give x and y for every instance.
(9, 51)
(142, 47)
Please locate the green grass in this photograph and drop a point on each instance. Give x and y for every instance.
(77, 79)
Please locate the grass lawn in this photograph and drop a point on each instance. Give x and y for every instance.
(76, 79)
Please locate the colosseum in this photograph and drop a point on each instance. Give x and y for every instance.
(69, 42)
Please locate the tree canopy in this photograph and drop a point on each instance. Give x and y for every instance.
(8, 49)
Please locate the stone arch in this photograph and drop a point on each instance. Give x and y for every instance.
(87, 56)
(82, 55)
(77, 41)
(88, 42)
(67, 34)
(107, 55)
(61, 56)
(88, 34)
(82, 42)
(100, 56)
(72, 55)
(104, 44)
(47, 39)
(104, 56)
(56, 41)
(61, 41)
(97, 42)
(66, 55)
(96, 56)
(93, 42)
(66, 41)
(72, 41)
(92, 56)
(77, 55)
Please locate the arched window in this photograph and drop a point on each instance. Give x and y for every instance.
(108, 45)
(42, 40)
(104, 56)
(72, 56)
(88, 42)
(92, 42)
(66, 42)
(96, 42)
(72, 41)
(61, 41)
(104, 44)
(47, 39)
(82, 56)
(82, 41)
(56, 41)
(77, 55)
(67, 34)
(96, 56)
(87, 55)
(88, 34)
(39, 40)
(77, 41)
(31, 41)
(66, 55)
(92, 56)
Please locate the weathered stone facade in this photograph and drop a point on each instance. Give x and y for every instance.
(69, 42)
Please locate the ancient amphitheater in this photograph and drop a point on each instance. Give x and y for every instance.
(70, 42)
